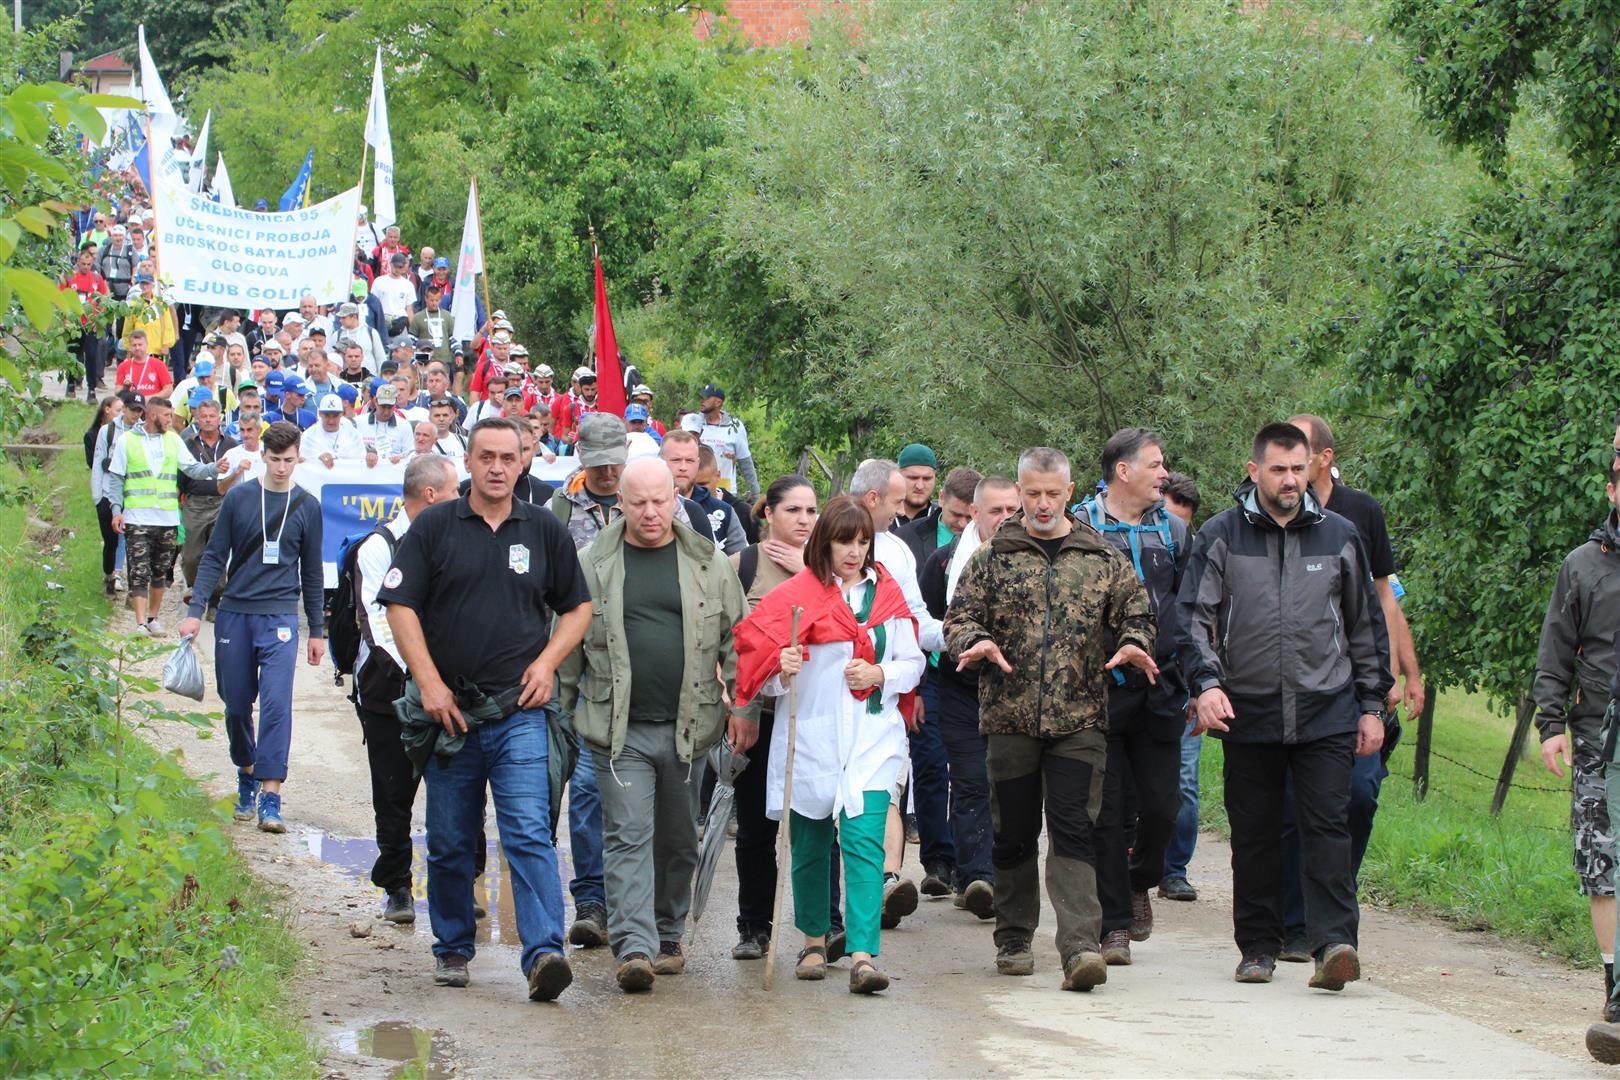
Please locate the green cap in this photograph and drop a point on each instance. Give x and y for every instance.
(918, 454)
(247, 384)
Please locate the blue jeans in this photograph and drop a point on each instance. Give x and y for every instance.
(931, 784)
(510, 756)
(1185, 838)
(585, 833)
(1366, 780)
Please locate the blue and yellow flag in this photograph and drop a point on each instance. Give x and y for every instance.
(297, 196)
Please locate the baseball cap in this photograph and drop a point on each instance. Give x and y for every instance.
(388, 366)
(331, 403)
(543, 371)
(274, 382)
(387, 394)
(514, 391)
(247, 384)
(376, 384)
(713, 391)
(292, 317)
(917, 454)
(406, 341)
(262, 204)
(345, 310)
(295, 385)
(602, 440)
(399, 259)
(116, 230)
(362, 209)
(347, 392)
(142, 279)
(215, 339)
(132, 399)
(641, 388)
(358, 289)
(315, 328)
(198, 395)
(271, 345)
(635, 412)
(441, 263)
(203, 367)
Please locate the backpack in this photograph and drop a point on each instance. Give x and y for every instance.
(343, 634)
(748, 567)
(1094, 514)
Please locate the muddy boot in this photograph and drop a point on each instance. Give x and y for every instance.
(751, 944)
(1015, 958)
(1116, 948)
(400, 908)
(590, 926)
(1084, 970)
(451, 970)
(1141, 916)
(1338, 965)
(980, 899)
(549, 977)
(636, 973)
(1255, 967)
(1603, 1043)
(899, 900)
(670, 959)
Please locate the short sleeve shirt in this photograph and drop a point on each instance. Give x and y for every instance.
(485, 597)
(1367, 516)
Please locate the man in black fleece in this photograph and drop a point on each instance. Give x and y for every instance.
(268, 537)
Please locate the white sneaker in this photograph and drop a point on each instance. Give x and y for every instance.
(154, 628)
(141, 629)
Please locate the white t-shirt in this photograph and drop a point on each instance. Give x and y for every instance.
(238, 454)
(344, 444)
(396, 294)
(642, 445)
(728, 439)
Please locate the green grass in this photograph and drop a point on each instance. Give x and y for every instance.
(197, 978)
(1447, 856)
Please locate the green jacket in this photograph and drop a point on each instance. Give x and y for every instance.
(1057, 623)
(594, 680)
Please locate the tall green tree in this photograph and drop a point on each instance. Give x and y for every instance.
(999, 224)
(1491, 354)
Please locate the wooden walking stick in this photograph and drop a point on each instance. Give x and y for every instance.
(784, 864)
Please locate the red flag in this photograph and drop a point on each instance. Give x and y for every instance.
(609, 375)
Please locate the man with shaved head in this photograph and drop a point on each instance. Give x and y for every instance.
(653, 723)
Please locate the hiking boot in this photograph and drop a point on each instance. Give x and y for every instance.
(636, 973)
(451, 970)
(1338, 965)
(549, 977)
(1116, 948)
(836, 941)
(247, 797)
(980, 898)
(1296, 949)
(479, 911)
(1084, 970)
(865, 978)
(1611, 1011)
(937, 882)
(590, 926)
(1141, 916)
(751, 945)
(270, 812)
(912, 835)
(109, 584)
(899, 900)
(1177, 888)
(670, 959)
(1603, 1043)
(1015, 958)
(400, 908)
(1255, 967)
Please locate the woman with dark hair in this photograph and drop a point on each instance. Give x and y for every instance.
(858, 656)
(786, 513)
(98, 442)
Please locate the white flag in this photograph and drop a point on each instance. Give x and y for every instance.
(199, 155)
(155, 95)
(382, 199)
(469, 264)
(161, 119)
(222, 184)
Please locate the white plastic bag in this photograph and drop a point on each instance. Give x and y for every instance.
(182, 672)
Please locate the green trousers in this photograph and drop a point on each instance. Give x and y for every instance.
(862, 841)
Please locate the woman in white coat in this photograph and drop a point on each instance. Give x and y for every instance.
(858, 658)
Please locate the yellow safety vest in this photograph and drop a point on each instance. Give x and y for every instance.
(148, 490)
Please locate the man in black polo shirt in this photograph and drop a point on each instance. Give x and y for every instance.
(470, 598)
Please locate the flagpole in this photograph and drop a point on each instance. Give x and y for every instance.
(478, 219)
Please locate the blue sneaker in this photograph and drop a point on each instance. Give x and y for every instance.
(247, 797)
(270, 813)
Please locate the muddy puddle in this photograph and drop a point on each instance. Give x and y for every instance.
(493, 889)
(421, 1052)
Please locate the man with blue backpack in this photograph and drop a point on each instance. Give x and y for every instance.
(1145, 720)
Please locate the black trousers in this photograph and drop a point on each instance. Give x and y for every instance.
(1256, 774)
(756, 842)
(109, 537)
(393, 794)
(1141, 799)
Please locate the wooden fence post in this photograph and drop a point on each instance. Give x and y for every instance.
(1521, 728)
(1425, 739)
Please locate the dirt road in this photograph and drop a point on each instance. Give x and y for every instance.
(1435, 1002)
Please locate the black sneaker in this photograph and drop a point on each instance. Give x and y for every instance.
(670, 960)
(1255, 967)
(590, 926)
(451, 970)
(1177, 888)
(549, 977)
(636, 973)
(400, 908)
(937, 881)
(1015, 958)
(836, 940)
(751, 944)
(1295, 950)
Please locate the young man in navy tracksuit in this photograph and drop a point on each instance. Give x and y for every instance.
(268, 537)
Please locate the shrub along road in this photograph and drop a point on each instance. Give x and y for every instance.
(1435, 1002)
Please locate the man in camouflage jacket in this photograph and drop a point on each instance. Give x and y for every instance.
(1049, 608)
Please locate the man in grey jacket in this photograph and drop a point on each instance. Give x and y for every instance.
(1574, 666)
(652, 721)
(1284, 646)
